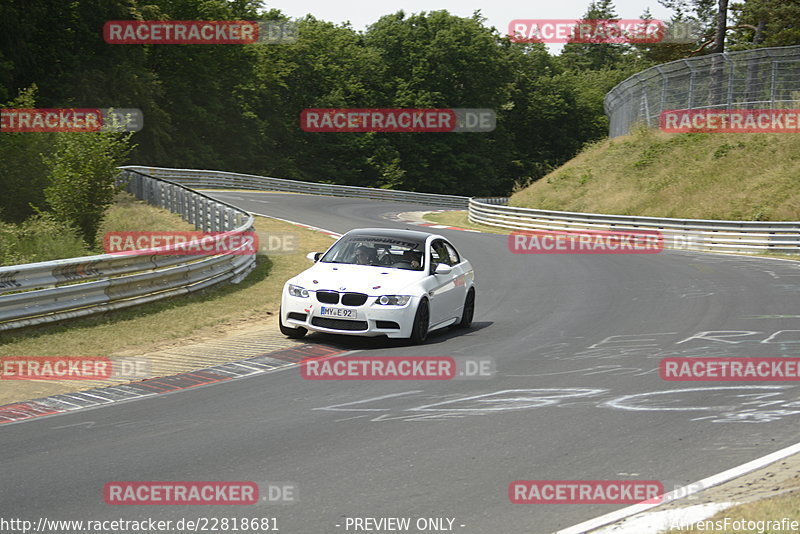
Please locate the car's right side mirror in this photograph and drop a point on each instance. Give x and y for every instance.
(443, 268)
(313, 256)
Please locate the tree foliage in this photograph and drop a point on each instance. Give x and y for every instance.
(23, 174)
(237, 108)
(82, 169)
(760, 23)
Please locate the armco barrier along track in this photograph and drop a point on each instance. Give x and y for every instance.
(37, 293)
(689, 234)
(680, 234)
(230, 180)
(50, 291)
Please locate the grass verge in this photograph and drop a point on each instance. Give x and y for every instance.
(692, 175)
(43, 238)
(128, 214)
(754, 516)
(206, 313)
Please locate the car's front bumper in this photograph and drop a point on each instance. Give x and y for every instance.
(372, 320)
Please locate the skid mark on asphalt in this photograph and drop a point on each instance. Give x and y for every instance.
(723, 404)
(635, 355)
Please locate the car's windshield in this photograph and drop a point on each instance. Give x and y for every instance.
(383, 251)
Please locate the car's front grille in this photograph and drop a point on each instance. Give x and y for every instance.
(297, 316)
(339, 324)
(348, 299)
(354, 299)
(328, 297)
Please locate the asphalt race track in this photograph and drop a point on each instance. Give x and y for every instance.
(576, 340)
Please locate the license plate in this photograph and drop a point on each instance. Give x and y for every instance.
(327, 311)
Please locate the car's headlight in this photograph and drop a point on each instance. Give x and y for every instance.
(297, 291)
(393, 300)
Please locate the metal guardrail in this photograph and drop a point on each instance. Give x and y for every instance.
(230, 180)
(37, 293)
(763, 78)
(679, 234)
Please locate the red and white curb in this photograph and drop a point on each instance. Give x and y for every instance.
(445, 227)
(415, 218)
(69, 402)
(398, 217)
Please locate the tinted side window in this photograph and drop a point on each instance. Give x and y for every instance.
(438, 254)
(451, 252)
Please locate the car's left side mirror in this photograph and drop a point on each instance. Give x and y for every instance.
(313, 256)
(443, 268)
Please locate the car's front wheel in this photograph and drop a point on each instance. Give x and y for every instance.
(294, 333)
(421, 322)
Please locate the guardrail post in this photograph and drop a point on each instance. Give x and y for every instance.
(200, 206)
(731, 80)
(214, 217)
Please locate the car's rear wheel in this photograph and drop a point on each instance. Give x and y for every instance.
(469, 310)
(421, 322)
(294, 333)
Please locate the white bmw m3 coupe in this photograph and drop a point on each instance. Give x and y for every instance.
(381, 282)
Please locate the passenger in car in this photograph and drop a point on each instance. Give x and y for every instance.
(413, 257)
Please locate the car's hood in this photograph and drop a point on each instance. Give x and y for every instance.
(357, 278)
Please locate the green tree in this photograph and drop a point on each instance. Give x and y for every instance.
(594, 55)
(702, 12)
(761, 23)
(82, 172)
(649, 54)
(329, 67)
(23, 175)
(59, 47)
(438, 60)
